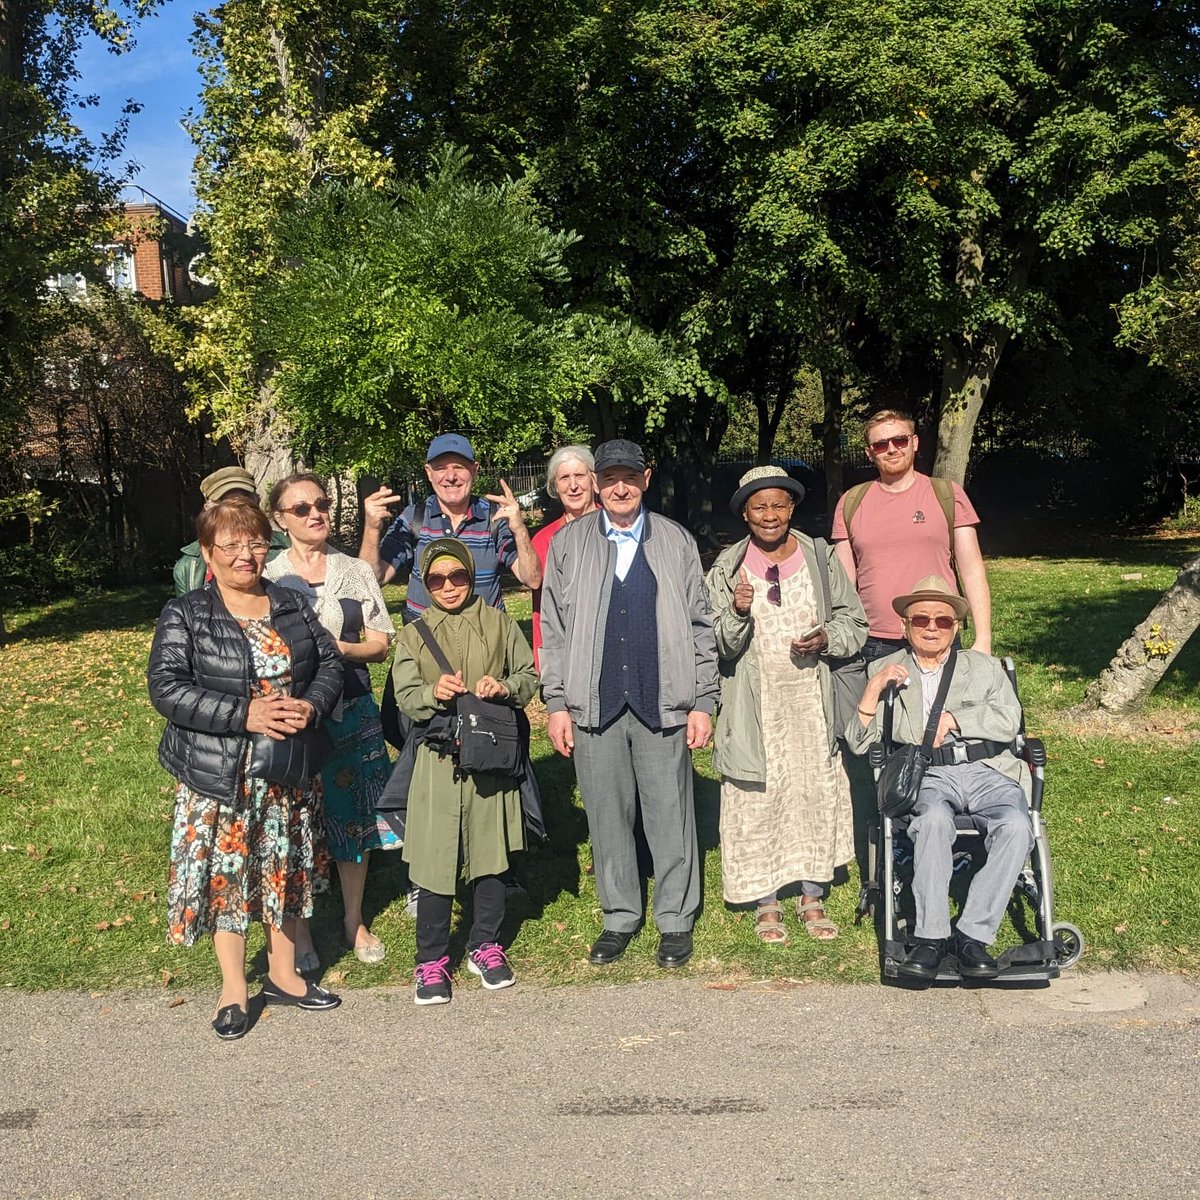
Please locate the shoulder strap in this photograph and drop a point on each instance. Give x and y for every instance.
(939, 702)
(438, 656)
(821, 546)
(943, 489)
(851, 501)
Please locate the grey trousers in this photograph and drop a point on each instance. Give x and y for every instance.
(615, 767)
(978, 790)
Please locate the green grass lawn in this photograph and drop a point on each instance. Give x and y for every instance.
(85, 809)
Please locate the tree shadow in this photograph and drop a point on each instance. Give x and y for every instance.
(1082, 633)
(94, 612)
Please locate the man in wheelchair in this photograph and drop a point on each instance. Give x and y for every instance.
(972, 772)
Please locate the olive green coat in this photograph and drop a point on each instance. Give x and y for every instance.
(480, 812)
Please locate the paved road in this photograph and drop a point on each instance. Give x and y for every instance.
(671, 1088)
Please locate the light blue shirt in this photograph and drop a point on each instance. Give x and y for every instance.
(626, 541)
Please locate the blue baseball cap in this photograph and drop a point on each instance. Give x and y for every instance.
(450, 443)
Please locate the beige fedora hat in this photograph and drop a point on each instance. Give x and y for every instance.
(932, 587)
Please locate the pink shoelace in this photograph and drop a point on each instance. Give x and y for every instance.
(490, 955)
(429, 973)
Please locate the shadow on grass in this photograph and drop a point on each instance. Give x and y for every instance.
(93, 612)
(1082, 634)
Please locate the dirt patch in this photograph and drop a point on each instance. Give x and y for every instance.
(1178, 727)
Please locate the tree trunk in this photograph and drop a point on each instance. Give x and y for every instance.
(1146, 654)
(968, 367)
(831, 437)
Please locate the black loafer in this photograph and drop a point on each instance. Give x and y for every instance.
(974, 962)
(922, 960)
(231, 1022)
(674, 949)
(314, 999)
(608, 947)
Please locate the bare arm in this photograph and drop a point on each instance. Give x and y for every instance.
(375, 517)
(528, 567)
(845, 556)
(969, 560)
(373, 648)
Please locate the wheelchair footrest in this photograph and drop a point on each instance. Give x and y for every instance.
(1033, 962)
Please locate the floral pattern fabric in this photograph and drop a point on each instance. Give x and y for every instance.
(260, 859)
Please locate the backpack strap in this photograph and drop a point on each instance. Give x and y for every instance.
(943, 489)
(850, 502)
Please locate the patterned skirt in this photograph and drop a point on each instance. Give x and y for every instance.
(354, 777)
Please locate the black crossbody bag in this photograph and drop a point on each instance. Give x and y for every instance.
(484, 738)
(900, 779)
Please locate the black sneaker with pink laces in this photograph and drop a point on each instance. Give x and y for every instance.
(490, 963)
(432, 982)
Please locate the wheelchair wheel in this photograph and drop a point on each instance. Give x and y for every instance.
(1071, 941)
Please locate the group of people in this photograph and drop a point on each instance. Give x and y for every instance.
(638, 651)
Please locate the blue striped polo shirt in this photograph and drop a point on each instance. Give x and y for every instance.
(492, 547)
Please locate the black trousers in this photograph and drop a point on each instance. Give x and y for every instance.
(433, 919)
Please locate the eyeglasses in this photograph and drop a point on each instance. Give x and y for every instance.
(900, 442)
(304, 507)
(921, 621)
(436, 581)
(233, 549)
(773, 594)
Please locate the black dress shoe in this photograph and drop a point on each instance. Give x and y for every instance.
(974, 962)
(231, 1022)
(315, 998)
(608, 947)
(674, 949)
(921, 961)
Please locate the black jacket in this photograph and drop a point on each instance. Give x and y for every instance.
(199, 679)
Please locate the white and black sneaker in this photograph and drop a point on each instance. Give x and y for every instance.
(431, 982)
(490, 963)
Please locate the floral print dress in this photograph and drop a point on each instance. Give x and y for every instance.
(260, 859)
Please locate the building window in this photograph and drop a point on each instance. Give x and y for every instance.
(118, 268)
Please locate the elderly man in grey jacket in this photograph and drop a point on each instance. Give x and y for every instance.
(629, 676)
(973, 772)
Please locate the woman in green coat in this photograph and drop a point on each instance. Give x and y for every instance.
(456, 818)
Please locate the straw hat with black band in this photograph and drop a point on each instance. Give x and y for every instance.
(932, 587)
(759, 478)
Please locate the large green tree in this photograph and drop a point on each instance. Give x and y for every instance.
(437, 305)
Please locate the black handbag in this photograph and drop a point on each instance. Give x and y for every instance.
(291, 762)
(485, 739)
(900, 780)
(847, 676)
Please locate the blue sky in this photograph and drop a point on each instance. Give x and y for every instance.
(160, 73)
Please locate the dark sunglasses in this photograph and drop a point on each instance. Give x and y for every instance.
(773, 594)
(436, 581)
(304, 507)
(921, 621)
(900, 442)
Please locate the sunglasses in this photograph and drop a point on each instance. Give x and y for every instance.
(921, 621)
(900, 442)
(773, 594)
(304, 507)
(436, 581)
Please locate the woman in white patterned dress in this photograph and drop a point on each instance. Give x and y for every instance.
(785, 799)
(348, 603)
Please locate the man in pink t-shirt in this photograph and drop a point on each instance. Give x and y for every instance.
(899, 534)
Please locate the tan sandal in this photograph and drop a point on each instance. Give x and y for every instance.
(812, 917)
(770, 933)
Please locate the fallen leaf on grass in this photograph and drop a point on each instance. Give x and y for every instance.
(102, 925)
(167, 976)
(5, 924)
(1098, 762)
(1122, 928)
(336, 977)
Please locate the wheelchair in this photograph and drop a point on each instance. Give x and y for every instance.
(1047, 946)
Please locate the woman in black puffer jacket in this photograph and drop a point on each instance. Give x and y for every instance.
(233, 658)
